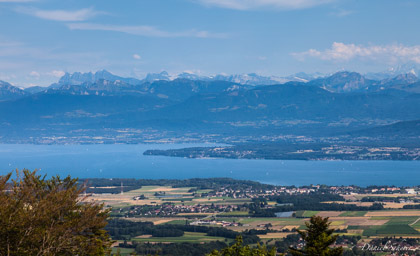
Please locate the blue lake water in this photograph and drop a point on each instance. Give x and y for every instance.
(127, 161)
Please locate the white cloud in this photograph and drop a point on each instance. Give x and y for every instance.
(342, 13)
(60, 15)
(346, 52)
(56, 73)
(34, 74)
(136, 56)
(256, 4)
(143, 30)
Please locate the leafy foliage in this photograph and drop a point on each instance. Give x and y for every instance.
(49, 217)
(174, 249)
(121, 229)
(238, 249)
(308, 202)
(318, 237)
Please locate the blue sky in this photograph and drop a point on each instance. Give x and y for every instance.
(41, 39)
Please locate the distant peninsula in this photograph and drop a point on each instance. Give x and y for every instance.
(275, 151)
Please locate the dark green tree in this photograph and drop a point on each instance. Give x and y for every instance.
(238, 249)
(40, 216)
(318, 239)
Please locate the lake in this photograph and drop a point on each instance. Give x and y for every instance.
(127, 161)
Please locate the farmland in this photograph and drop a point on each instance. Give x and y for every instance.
(199, 211)
(188, 237)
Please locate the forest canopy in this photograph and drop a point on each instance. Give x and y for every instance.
(40, 216)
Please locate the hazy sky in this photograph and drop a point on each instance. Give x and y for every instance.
(41, 39)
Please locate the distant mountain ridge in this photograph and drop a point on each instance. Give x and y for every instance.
(345, 101)
(245, 79)
(104, 83)
(82, 106)
(413, 68)
(9, 92)
(177, 90)
(402, 129)
(79, 78)
(344, 82)
(341, 82)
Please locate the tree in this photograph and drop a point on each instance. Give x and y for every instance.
(238, 249)
(318, 237)
(49, 217)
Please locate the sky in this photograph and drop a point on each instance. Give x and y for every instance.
(42, 39)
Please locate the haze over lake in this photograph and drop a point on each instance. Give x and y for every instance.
(128, 161)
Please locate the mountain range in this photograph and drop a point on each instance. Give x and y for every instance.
(10, 92)
(339, 82)
(105, 83)
(97, 103)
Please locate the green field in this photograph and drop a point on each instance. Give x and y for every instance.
(353, 214)
(237, 201)
(286, 221)
(154, 189)
(188, 237)
(395, 226)
(402, 220)
(308, 214)
(237, 213)
(177, 199)
(200, 191)
(380, 218)
(402, 229)
(302, 227)
(176, 222)
(357, 227)
(416, 225)
(338, 222)
(305, 214)
(123, 251)
(299, 214)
